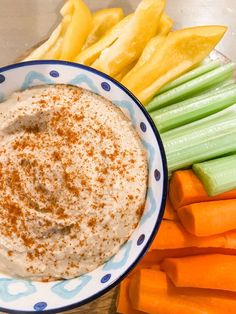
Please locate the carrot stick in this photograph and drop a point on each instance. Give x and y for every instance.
(156, 267)
(172, 235)
(169, 213)
(123, 302)
(212, 271)
(152, 292)
(230, 239)
(160, 255)
(186, 188)
(209, 218)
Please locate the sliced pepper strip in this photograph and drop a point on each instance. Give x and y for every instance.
(181, 51)
(130, 44)
(89, 55)
(103, 21)
(55, 51)
(166, 24)
(68, 8)
(77, 32)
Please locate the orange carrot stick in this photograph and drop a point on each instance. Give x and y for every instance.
(160, 255)
(212, 271)
(152, 292)
(169, 213)
(209, 218)
(151, 258)
(172, 235)
(123, 302)
(156, 267)
(186, 188)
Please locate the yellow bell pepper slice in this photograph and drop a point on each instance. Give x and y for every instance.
(126, 70)
(89, 55)
(164, 28)
(130, 44)
(77, 32)
(55, 51)
(103, 21)
(166, 24)
(181, 51)
(51, 48)
(67, 9)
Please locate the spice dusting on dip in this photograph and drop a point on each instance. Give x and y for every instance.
(73, 182)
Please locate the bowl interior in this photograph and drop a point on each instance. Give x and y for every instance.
(25, 296)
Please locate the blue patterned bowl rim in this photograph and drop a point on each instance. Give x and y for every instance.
(164, 190)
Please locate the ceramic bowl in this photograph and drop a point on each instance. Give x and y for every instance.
(23, 296)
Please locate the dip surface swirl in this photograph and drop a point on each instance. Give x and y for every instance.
(73, 182)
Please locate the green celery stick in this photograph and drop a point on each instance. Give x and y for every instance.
(218, 175)
(194, 108)
(196, 85)
(217, 87)
(186, 129)
(202, 69)
(201, 140)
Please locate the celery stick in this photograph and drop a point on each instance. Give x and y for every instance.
(204, 139)
(202, 69)
(218, 175)
(196, 85)
(229, 84)
(194, 108)
(217, 87)
(186, 129)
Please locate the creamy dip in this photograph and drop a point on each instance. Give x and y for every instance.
(73, 182)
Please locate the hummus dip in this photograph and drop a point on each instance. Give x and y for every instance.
(73, 182)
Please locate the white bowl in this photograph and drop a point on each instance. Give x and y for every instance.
(53, 297)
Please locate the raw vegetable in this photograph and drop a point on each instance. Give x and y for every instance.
(68, 8)
(228, 82)
(198, 71)
(194, 108)
(129, 46)
(204, 139)
(103, 21)
(123, 303)
(166, 24)
(77, 31)
(202, 219)
(89, 55)
(120, 75)
(160, 255)
(193, 86)
(169, 213)
(55, 51)
(152, 292)
(217, 175)
(211, 271)
(149, 50)
(172, 235)
(182, 51)
(186, 188)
